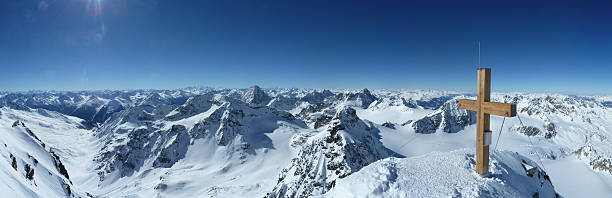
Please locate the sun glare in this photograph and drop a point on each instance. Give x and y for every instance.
(94, 7)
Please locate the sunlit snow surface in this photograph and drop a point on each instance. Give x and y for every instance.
(32, 145)
(445, 174)
(210, 169)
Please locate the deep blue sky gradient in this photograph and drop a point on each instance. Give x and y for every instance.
(531, 46)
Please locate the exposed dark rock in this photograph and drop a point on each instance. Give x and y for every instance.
(14, 162)
(161, 187)
(59, 165)
(550, 130)
(29, 172)
(322, 121)
(389, 125)
(527, 130)
(407, 122)
(176, 149)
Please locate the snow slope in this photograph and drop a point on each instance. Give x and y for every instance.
(30, 167)
(448, 174)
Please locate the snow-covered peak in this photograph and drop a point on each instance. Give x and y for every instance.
(361, 99)
(256, 97)
(344, 147)
(347, 117)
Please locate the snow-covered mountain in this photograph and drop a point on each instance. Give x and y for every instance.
(347, 145)
(203, 142)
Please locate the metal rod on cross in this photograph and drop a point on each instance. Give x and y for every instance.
(484, 108)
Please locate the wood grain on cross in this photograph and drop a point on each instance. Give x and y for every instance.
(484, 108)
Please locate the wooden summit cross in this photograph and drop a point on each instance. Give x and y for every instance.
(484, 108)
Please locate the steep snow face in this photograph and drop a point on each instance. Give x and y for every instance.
(346, 146)
(256, 97)
(193, 106)
(447, 175)
(29, 167)
(449, 118)
(67, 139)
(107, 110)
(283, 103)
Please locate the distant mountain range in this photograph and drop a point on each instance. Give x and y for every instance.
(254, 142)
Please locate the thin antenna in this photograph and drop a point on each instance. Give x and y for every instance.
(478, 54)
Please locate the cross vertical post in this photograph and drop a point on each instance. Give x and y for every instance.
(484, 108)
(484, 95)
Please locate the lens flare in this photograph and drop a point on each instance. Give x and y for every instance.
(95, 8)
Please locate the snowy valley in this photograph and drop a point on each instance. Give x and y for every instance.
(206, 142)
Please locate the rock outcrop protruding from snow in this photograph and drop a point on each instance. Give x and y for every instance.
(447, 175)
(346, 146)
(527, 130)
(317, 115)
(174, 149)
(449, 118)
(549, 129)
(597, 160)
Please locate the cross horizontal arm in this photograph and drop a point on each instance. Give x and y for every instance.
(495, 108)
(471, 105)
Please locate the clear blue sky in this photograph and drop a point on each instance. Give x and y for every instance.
(531, 46)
